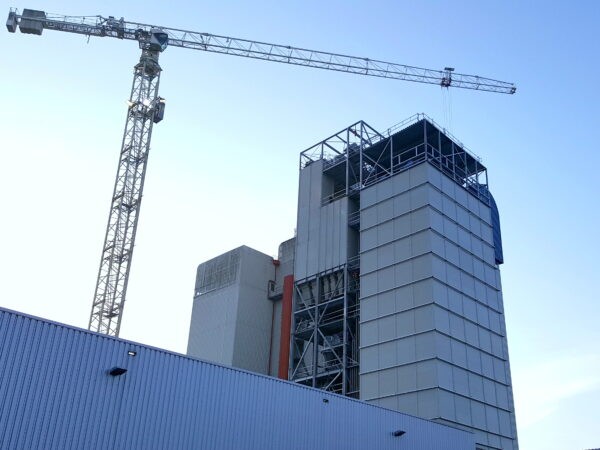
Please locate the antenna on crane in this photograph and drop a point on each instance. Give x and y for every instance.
(146, 108)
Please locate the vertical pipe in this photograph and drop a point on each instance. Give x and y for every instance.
(293, 348)
(440, 146)
(391, 155)
(477, 179)
(360, 160)
(345, 334)
(453, 159)
(286, 328)
(315, 338)
(347, 167)
(425, 137)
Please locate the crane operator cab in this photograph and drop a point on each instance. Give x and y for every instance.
(158, 39)
(155, 40)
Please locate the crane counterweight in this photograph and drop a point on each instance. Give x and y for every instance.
(147, 108)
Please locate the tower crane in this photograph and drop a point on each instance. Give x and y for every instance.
(146, 108)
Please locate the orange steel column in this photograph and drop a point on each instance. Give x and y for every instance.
(286, 325)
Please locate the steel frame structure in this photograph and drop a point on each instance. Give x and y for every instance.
(325, 331)
(359, 155)
(145, 106)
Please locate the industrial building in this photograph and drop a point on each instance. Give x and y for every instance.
(396, 298)
(67, 388)
(237, 312)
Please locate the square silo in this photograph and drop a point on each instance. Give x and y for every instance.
(431, 331)
(232, 315)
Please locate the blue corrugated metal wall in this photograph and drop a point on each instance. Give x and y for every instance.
(56, 393)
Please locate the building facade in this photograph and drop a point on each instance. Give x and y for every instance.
(239, 313)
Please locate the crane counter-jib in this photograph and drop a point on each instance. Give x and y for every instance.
(146, 108)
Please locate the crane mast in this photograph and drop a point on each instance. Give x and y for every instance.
(146, 108)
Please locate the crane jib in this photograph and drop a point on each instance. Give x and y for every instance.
(33, 21)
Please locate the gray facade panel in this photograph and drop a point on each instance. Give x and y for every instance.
(310, 196)
(57, 394)
(232, 322)
(212, 325)
(254, 318)
(333, 235)
(437, 260)
(327, 238)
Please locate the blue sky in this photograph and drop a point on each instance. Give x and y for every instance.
(224, 162)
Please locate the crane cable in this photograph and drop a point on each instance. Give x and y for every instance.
(447, 107)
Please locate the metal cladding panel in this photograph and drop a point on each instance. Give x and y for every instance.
(56, 393)
(310, 193)
(333, 235)
(212, 325)
(254, 319)
(232, 315)
(322, 231)
(430, 289)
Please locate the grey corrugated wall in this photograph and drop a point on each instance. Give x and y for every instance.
(55, 393)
